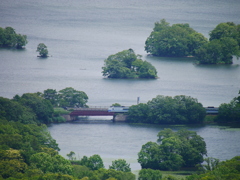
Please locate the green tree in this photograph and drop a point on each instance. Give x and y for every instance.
(11, 163)
(51, 95)
(14, 111)
(138, 113)
(148, 157)
(116, 105)
(48, 163)
(120, 165)
(21, 41)
(149, 174)
(71, 156)
(71, 97)
(229, 112)
(173, 150)
(223, 45)
(9, 38)
(42, 49)
(168, 110)
(225, 170)
(228, 29)
(94, 162)
(176, 40)
(218, 51)
(126, 64)
(41, 107)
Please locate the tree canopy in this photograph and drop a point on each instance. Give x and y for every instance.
(223, 44)
(9, 38)
(42, 49)
(173, 150)
(66, 97)
(120, 165)
(229, 112)
(40, 106)
(126, 64)
(176, 40)
(168, 110)
(71, 97)
(224, 170)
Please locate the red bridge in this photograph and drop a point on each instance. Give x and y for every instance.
(91, 112)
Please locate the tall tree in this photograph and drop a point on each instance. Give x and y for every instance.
(51, 95)
(71, 97)
(120, 165)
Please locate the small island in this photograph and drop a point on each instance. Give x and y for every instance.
(10, 39)
(127, 65)
(180, 40)
(42, 49)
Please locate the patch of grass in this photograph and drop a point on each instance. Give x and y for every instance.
(209, 119)
(60, 111)
(178, 174)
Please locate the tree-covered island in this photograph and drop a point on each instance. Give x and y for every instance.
(10, 39)
(126, 64)
(168, 110)
(42, 49)
(181, 40)
(175, 41)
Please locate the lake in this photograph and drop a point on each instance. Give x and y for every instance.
(123, 141)
(81, 34)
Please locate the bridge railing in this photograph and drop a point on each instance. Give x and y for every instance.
(92, 108)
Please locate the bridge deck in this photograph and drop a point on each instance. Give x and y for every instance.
(91, 112)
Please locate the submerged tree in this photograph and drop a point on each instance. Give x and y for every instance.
(42, 49)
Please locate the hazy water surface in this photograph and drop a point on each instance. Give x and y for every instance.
(81, 34)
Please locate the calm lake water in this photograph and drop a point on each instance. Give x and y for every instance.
(123, 141)
(81, 34)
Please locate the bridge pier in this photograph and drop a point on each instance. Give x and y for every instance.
(119, 118)
(68, 117)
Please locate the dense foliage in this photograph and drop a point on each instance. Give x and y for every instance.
(9, 38)
(42, 49)
(66, 97)
(42, 108)
(229, 169)
(126, 64)
(173, 150)
(168, 110)
(27, 150)
(229, 112)
(149, 174)
(176, 40)
(223, 44)
(120, 165)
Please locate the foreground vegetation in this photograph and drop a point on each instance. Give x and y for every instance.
(27, 150)
(173, 150)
